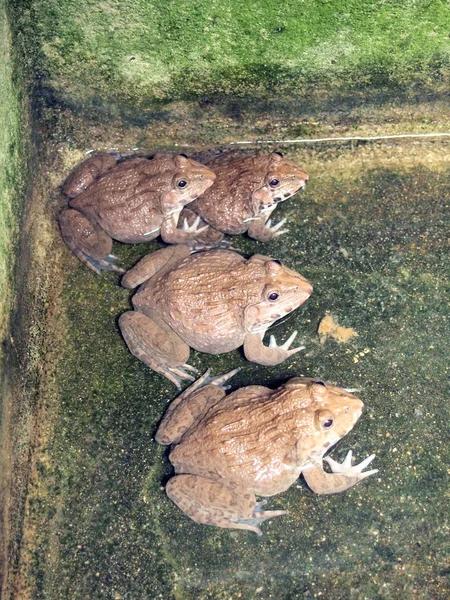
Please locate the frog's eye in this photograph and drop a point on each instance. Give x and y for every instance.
(277, 262)
(324, 419)
(274, 182)
(318, 382)
(279, 154)
(182, 183)
(184, 155)
(273, 296)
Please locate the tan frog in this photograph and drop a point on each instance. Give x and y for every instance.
(212, 301)
(255, 442)
(246, 191)
(130, 201)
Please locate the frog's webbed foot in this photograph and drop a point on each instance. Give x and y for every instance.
(342, 477)
(218, 503)
(106, 264)
(194, 227)
(206, 379)
(88, 241)
(275, 230)
(181, 373)
(261, 228)
(203, 238)
(221, 379)
(286, 347)
(270, 355)
(259, 516)
(350, 470)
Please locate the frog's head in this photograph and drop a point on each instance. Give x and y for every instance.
(183, 180)
(282, 180)
(280, 291)
(326, 413)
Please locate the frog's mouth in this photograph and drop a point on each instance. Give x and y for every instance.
(280, 197)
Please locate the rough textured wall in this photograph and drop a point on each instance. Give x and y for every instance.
(13, 179)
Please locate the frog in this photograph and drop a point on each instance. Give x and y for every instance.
(229, 448)
(247, 189)
(213, 301)
(129, 199)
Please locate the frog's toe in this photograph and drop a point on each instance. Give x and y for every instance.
(194, 228)
(189, 368)
(286, 347)
(221, 379)
(105, 264)
(348, 469)
(258, 517)
(180, 373)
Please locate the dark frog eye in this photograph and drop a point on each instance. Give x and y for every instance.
(182, 183)
(274, 182)
(325, 419)
(277, 262)
(273, 296)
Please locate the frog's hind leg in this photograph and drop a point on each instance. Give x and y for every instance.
(214, 503)
(88, 241)
(87, 172)
(156, 345)
(191, 405)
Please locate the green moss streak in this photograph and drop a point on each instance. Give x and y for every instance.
(135, 51)
(12, 168)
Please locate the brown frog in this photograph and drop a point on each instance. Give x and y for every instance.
(213, 301)
(130, 201)
(246, 191)
(255, 442)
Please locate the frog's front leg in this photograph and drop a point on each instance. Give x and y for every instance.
(190, 405)
(88, 241)
(270, 355)
(154, 343)
(189, 233)
(342, 477)
(210, 237)
(261, 228)
(221, 504)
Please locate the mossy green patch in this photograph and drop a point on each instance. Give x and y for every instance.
(12, 168)
(375, 248)
(133, 53)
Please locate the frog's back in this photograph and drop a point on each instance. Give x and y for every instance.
(228, 203)
(198, 300)
(246, 439)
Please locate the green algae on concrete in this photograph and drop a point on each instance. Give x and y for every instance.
(12, 168)
(13, 186)
(375, 246)
(134, 53)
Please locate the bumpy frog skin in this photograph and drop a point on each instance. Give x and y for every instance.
(246, 191)
(255, 442)
(130, 201)
(212, 301)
